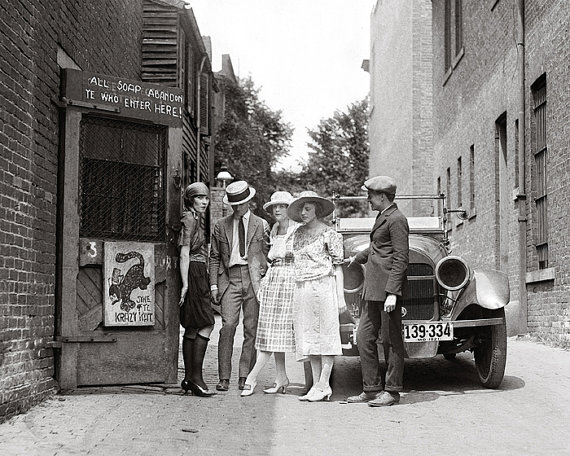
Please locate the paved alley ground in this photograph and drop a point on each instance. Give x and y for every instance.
(444, 411)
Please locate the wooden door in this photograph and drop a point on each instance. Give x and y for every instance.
(115, 192)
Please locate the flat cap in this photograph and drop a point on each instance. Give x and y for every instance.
(382, 184)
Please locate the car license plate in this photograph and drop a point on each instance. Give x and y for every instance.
(426, 332)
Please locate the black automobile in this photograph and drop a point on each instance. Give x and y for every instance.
(449, 308)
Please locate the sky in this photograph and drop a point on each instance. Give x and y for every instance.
(306, 55)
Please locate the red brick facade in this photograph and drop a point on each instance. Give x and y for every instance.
(37, 40)
(477, 104)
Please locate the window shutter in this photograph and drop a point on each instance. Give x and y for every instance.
(204, 104)
(160, 45)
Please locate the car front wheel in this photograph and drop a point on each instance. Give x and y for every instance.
(491, 352)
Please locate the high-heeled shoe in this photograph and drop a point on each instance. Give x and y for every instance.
(248, 389)
(305, 397)
(320, 394)
(196, 389)
(277, 387)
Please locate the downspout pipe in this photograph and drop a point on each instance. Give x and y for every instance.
(199, 115)
(521, 197)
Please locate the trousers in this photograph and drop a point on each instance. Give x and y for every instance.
(375, 323)
(238, 296)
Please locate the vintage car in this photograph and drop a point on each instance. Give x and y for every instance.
(449, 307)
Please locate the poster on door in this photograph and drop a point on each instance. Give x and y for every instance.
(128, 277)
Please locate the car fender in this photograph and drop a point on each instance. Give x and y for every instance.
(486, 288)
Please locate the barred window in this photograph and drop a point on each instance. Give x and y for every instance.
(459, 183)
(540, 174)
(121, 180)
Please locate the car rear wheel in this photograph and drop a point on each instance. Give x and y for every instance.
(491, 353)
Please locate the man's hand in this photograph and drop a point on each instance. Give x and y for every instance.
(349, 261)
(215, 297)
(390, 303)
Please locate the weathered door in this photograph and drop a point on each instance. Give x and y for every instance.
(117, 200)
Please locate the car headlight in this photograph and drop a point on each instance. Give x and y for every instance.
(452, 273)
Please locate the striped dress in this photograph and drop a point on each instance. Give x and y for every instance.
(275, 324)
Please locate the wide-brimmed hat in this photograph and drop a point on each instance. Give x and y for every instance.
(237, 193)
(278, 198)
(294, 209)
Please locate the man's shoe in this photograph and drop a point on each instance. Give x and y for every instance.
(223, 385)
(385, 398)
(241, 382)
(365, 396)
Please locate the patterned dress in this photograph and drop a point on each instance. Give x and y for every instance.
(275, 324)
(315, 301)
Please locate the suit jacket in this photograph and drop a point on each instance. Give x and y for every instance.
(386, 259)
(257, 246)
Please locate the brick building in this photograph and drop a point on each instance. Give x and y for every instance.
(496, 144)
(400, 67)
(61, 148)
(500, 86)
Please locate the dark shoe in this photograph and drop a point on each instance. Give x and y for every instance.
(241, 382)
(223, 385)
(385, 398)
(365, 396)
(196, 389)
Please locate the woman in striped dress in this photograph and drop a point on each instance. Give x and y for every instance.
(275, 326)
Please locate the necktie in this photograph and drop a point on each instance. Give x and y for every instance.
(241, 235)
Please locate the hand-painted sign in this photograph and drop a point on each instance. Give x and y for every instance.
(128, 297)
(141, 100)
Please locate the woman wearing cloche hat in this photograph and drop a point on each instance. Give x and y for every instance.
(319, 295)
(196, 314)
(275, 324)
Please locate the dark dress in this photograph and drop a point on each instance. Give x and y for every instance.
(196, 312)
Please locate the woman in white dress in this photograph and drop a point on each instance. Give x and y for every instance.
(275, 324)
(319, 295)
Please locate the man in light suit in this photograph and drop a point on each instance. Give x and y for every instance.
(238, 261)
(386, 263)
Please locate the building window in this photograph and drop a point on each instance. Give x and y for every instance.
(472, 179)
(453, 35)
(439, 193)
(122, 180)
(459, 183)
(540, 168)
(458, 26)
(516, 165)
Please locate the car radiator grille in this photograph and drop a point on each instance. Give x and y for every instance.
(419, 300)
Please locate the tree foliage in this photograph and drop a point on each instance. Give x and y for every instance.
(338, 160)
(251, 138)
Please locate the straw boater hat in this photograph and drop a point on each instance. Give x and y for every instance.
(294, 209)
(238, 192)
(278, 198)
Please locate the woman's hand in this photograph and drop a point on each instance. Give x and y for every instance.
(183, 292)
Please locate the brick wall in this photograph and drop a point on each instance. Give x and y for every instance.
(102, 37)
(482, 87)
(401, 98)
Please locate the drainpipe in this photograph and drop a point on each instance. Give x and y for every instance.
(199, 116)
(521, 197)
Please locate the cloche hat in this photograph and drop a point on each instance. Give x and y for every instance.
(195, 189)
(294, 209)
(237, 193)
(279, 198)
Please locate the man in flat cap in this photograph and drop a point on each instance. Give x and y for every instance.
(386, 261)
(238, 261)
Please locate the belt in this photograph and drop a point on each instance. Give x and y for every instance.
(239, 266)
